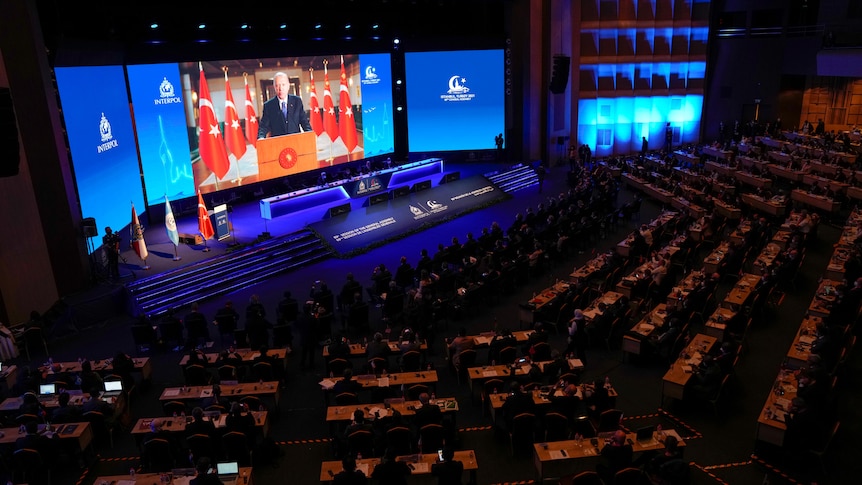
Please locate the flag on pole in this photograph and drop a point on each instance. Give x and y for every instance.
(136, 231)
(211, 143)
(316, 120)
(346, 123)
(205, 225)
(171, 223)
(329, 123)
(250, 117)
(232, 130)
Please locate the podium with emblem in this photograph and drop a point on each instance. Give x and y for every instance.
(287, 154)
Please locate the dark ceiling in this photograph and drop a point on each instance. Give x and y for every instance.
(126, 25)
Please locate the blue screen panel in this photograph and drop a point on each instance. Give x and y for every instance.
(455, 99)
(376, 82)
(101, 138)
(160, 121)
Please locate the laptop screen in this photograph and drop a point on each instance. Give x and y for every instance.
(228, 468)
(46, 389)
(113, 386)
(645, 433)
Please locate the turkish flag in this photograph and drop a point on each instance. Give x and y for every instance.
(211, 143)
(316, 120)
(136, 231)
(329, 123)
(250, 118)
(232, 129)
(205, 225)
(346, 123)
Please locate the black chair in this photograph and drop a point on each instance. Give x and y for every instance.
(102, 433)
(29, 467)
(491, 386)
(337, 366)
(628, 476)
(144, 336)
(522, 432)
(541, 351)
(431, 438)
(33, 339)
(583, 478)
(411, 361)
(415, 390)
(556, 427)
(158, 456)
(400, 440)
(197, 375)
(23, 419)
(227, 373)
(378, 364)
(507, 355)
(201, 445)
(235, 448)
(466, 359)
(584, 427)
(346, 399)
(609, 420)
(174, 408)
(253, 403)
(361, 442)
(262, 371)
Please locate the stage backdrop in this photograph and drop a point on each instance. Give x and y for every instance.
(375, 225)
(104, 156)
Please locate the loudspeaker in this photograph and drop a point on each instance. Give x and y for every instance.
(10, 154)
(378, 198)
(451, 177)
(89, 227)
(400, 192)
(420, 186)
(339, 209)
(560, 74)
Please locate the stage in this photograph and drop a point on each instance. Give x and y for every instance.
(249, 228)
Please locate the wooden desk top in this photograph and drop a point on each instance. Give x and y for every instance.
(72, 431)
(383, 410)
(245, 478)
(177, 424)
(101, 366)
(388, 380)
(201, 392)
(358, 349)
(799, 351)
(76, 398)
(499, 398)
(247, 355)
(700, 345)
(824, 298)
(548, 295)
(741, 291)
(572, 449)
(504, 371)
(778, 401)
(421, 464)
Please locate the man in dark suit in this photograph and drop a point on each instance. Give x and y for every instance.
(427, 413)
(283, 114)
(517, 402)
(199, 425)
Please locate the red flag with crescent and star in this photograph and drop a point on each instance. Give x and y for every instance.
(250, 117)
(211, 143)
(232, 130)
(329, 122)
(316, 120)
(136, 232)
(346, 123)
(205, 225)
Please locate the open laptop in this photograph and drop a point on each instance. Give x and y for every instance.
(112, 388)
(47, 391)
(227, 471)
(645, 435)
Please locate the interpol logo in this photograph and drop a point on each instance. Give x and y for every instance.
(458, 90)
(370, 76)
(166, 93)
(108, 140)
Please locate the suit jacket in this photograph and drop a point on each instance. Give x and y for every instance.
(272, 120)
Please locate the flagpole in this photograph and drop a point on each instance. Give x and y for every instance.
(176, 255)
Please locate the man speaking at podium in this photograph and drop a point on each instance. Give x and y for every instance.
(283, 114)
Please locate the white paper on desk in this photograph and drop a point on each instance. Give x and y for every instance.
(807, 340)
(171, 393)
(589, 451)
(421, 467)
(383, 382)
(489, 373)
(645, 328)
(556, 454)
(375, 411)
(363, 467)
(125, 482)
(206, 392)
(327, 384)
(482, 340)
(783, 403)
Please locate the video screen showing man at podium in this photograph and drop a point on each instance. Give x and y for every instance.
(283, 114)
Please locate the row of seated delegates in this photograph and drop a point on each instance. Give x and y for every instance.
(393, 472)
(28, 379)
(242, 371)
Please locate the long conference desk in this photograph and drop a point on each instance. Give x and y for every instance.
(420, 464)
(558, 458)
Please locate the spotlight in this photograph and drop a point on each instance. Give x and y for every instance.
(243, 26)
(347, 27)
(202, 26)
(398, 82)
(399, 109)
(375, 26)
(317, 26)
(282, 26)
(396, 41)
(154, 26)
